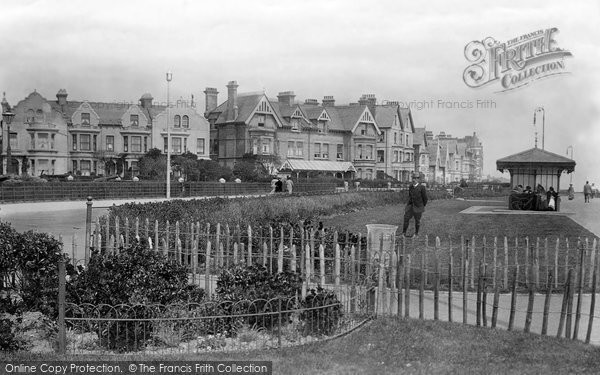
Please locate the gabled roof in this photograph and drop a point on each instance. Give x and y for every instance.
(433, 150)
(108, 113)
(535, 157)
(317, 165)
(385, 116)
(406, 120)
(246, 104)
(419, 137)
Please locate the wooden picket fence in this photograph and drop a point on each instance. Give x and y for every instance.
(395, 274)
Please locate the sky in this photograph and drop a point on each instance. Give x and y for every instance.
(406, 51)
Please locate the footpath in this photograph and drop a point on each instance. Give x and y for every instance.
(585, 214)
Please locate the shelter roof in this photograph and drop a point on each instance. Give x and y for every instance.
(535, 157)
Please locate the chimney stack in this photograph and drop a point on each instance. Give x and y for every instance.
(61, 97)
(311, 102)
(328, 101)
(367, 99)
(232, 107)
(286, 97)
(146, 101)
(210, 103)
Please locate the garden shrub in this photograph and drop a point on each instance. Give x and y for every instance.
(30, 262)
(136, 277)
(323, 312)
(255, 290)
(9, 341)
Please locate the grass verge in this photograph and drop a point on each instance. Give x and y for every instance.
(393, 346)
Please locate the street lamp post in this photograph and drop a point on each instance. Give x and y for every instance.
(570, 174)
(7, 119)
(541, 109)
(169, 78)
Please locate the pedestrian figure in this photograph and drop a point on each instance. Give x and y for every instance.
(273, 184)
(278, 185)
(289, 184)
(587, 191)
(417, 200)
(593, 190)
(571, 192)
(552, 197)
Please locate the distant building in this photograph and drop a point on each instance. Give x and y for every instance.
(375, 139)
(97, 138)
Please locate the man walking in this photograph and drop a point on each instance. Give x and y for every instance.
(417, 200)
(587, 191)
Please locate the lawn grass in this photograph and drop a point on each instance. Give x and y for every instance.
(442, 218)
(398, 346)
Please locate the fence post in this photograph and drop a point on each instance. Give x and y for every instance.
(88, 229)
(513, 300)
(337, 263)
(531, 299)
(249, 260)
(580, 289)
(472, 261)
(547, 304)
(62, 331)
(505, 283)
(422, 287)
(450, 283)
(436, 280)
(592, 259)
(465, 266)
(407, 288)
(563, 310)
(593, 301)
(322, 263)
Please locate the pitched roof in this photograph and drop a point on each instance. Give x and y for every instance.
(349, 115)
(535, 157)
(385, 115)
(419, 137)
(317, 165)
(406, 119)
(245, 103)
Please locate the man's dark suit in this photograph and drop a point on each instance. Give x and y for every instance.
(417, 200)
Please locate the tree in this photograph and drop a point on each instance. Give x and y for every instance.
(153, 165)
(187, 165)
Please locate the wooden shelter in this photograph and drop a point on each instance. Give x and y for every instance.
(344, 170)
(535, 167)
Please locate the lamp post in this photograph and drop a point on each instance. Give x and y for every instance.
(169, 78)
(570, 174)
(540, 109)
(7, 119)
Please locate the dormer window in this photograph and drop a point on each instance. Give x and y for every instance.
(185, 121)
(321, 126)
(134, 120)
(30, 116)
(177, 121)
(85, 119)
